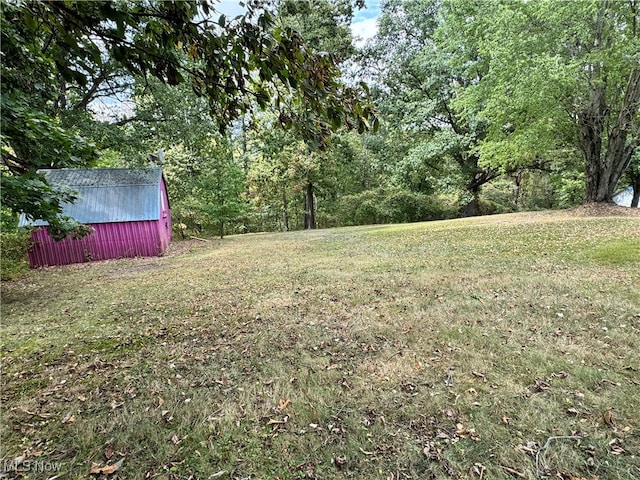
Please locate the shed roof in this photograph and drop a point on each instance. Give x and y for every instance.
(108, 195)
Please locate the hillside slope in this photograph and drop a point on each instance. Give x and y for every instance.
(454, 349)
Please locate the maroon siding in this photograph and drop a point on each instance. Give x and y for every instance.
(164, 224)
(109, 240)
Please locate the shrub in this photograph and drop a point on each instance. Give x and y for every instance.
(389, 205)
(14, 244)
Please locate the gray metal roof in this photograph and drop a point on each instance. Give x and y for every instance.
(107, 195)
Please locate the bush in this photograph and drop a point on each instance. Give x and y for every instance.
(389, 205)
(14, 244)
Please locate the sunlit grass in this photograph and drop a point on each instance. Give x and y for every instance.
(435, 350)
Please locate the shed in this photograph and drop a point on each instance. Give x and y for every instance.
(128, 210)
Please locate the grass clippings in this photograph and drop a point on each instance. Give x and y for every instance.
(437, 350)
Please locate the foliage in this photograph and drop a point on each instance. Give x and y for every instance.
(14, 244)
(575, 92)
(420, 80)
(389, 205)
(206, 187)
(325, 24)
(218, 193)
(58, 56)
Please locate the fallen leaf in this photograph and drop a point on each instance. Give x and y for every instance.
(616, 449)
(175, 440)
(464, 432)
(108, 453)
(283, 404)
(608, 418)
(69, 418)
(540, 386)
(340, 462)
(96, 469)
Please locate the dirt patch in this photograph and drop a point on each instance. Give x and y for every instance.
(603, 210)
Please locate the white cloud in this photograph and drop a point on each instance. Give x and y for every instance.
(364, 30)
(230, 8)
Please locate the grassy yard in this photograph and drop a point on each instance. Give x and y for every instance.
(455, 349)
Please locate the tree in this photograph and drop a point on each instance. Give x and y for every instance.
(296, 157)
(57, 48)
(564, 80)
(419, 83)
(218, 192)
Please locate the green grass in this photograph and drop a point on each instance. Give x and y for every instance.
(619, 252)
(437, 350)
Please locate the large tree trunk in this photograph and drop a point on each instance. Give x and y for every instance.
(518, 177)
(309, 208)
(603, 171)
(472, 209)
(591, 130)
(480, 177)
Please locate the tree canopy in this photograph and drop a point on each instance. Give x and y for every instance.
(59, 56)
(563, 79)
(484, 105)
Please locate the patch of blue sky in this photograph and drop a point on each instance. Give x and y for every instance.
(230, 8)
(371, 10)
(365, 22)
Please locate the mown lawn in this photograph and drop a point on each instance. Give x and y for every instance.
(455, 349)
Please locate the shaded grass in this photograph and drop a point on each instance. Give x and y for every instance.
(439, 350)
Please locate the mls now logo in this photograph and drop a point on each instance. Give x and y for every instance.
(19, 464)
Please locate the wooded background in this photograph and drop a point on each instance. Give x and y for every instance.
(275, 121)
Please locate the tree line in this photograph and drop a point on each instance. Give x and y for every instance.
(275, 120)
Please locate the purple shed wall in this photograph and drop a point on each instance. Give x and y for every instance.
(109, 240)
(147, 238)
(164, 224)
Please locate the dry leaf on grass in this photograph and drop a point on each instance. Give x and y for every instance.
(464, 432)
(108, 452)
(96, 469)
(283, 404)
(69, 418)
(608, 418)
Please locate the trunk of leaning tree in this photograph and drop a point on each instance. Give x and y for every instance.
(472, 209)
(480, 177)
(604, 169)
(309, 208)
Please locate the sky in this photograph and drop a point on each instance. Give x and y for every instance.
(363, 26)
